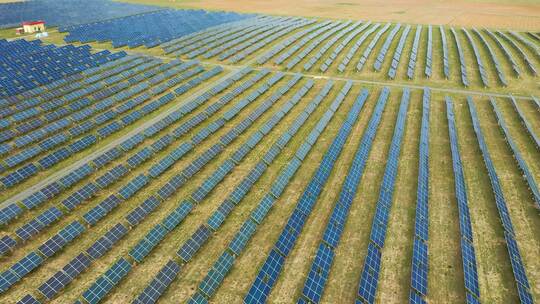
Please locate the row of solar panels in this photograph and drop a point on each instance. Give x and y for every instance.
(46, 162)
(369, 279)
(54, 188)
(420, 260)
(479, 62)
(146, 244)
(461, 57)
(152, 28)
(270, 270)
(414, 52)
(446, 58)
(313, 59)
(520, 276)
(527, 175)
(468, 254)
(397, 53)
(429, 53)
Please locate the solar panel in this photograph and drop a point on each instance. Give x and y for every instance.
(158, 285)
(214, 277)
(266, 278)
(52, 286)
(174, 218)
(77, 265)
(190, 247)
(6, 244)
(28, 299)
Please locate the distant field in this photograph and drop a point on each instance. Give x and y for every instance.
(520, 14)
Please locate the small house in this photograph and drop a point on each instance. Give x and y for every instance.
(33, 26)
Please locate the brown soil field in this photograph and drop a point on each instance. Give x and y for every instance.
(520, 14)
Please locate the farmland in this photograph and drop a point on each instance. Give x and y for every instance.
(308, 157)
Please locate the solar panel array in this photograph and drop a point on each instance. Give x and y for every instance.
(420, 258)
(151, 28)
(322, 263)
(116, 151)
(468, 255)
(63, 12)
(125, 113)
(520, 276)
(25, 65)
(369, 279)
(271, 268)
(190, 247)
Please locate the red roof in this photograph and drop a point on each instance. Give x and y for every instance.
(33, 22)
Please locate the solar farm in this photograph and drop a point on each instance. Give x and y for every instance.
(153, 154)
